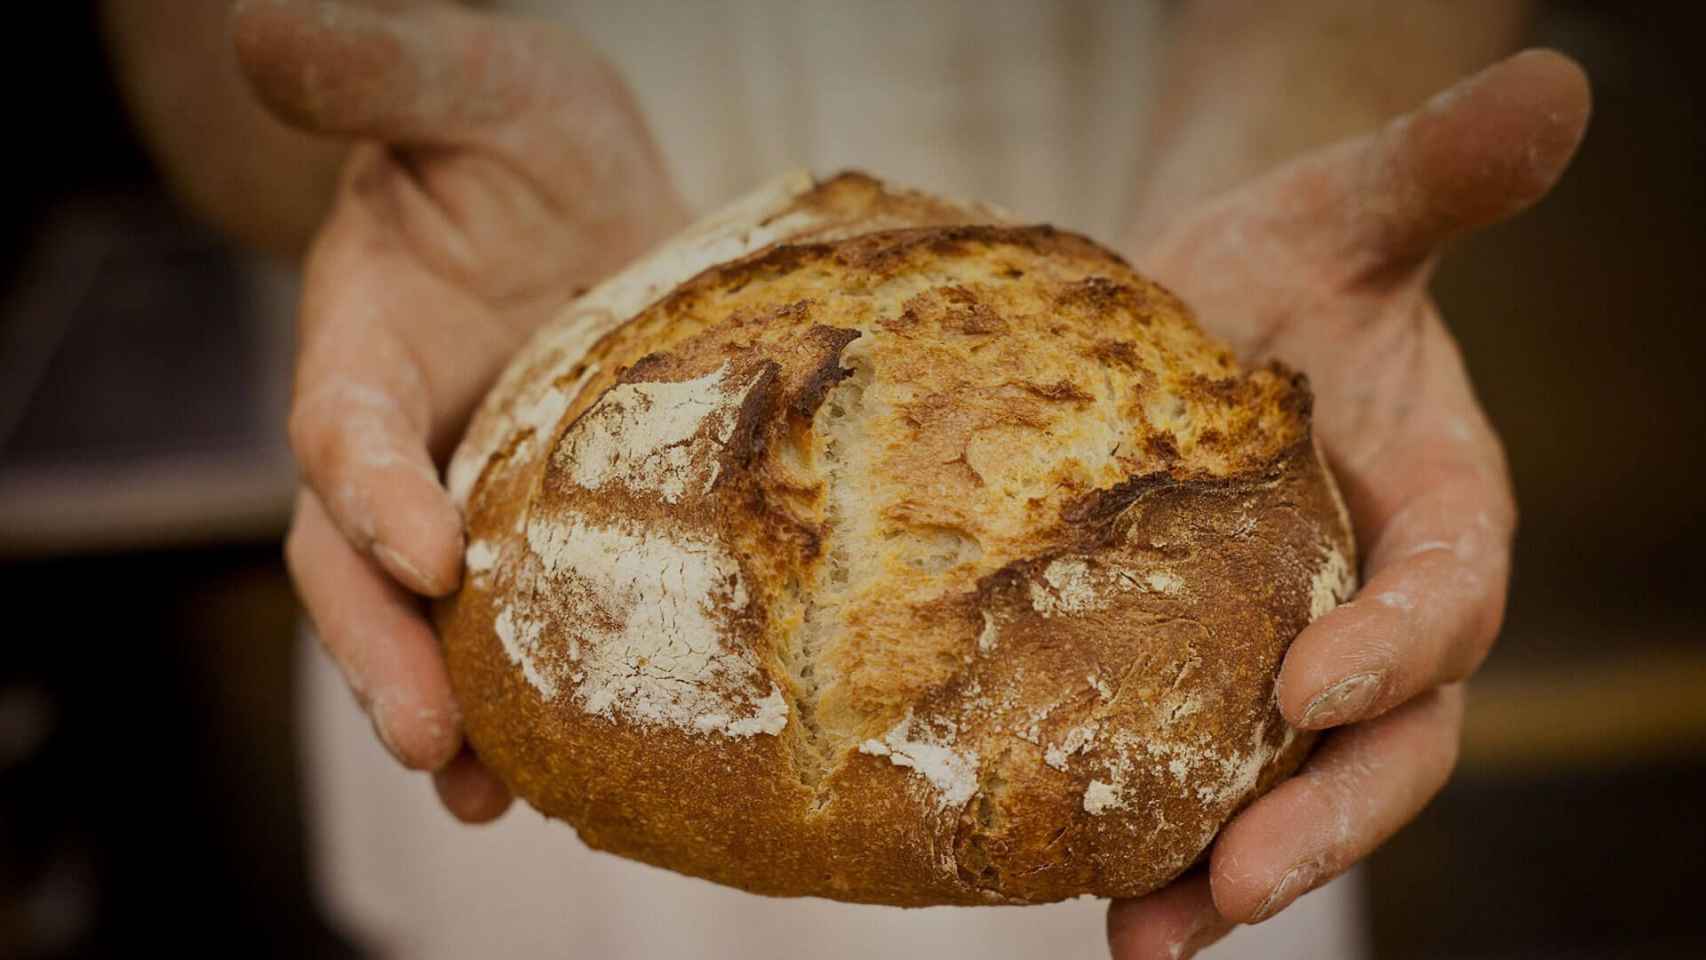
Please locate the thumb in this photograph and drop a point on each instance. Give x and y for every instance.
(427, 73)
(1377, 205)
(1480, 152)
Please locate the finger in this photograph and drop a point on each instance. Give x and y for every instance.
(1427, 616)
(439, 75)
(1432, 501)
(1477, 153)
(469, 791)
(1363, 784)
(423, 73)
(1171, 924)
(377, 635)
(360, 422)
(1368, 213)
(548, 130)
(369, 462)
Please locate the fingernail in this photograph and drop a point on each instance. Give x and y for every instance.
(1289, 888)
(1342, 701)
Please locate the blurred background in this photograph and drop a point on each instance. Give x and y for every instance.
(149, 788)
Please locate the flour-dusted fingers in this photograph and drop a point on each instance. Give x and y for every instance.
(1173, 923)
(1480, 152)
(1264, 264)
(469, 791)
(527, 109)
(1431, 499)
(368, 462)
(379, 636)
(1427, 615)
(361, 417)
(1360, 787)
(390, 358)
(427, 73)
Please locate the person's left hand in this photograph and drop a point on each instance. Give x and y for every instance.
(1324, 265)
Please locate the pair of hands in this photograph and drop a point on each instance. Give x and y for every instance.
(501, 167)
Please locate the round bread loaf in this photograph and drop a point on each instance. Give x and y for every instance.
(861, 545)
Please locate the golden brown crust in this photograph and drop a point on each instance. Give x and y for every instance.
(941, 564)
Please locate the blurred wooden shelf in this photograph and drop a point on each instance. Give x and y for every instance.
(160, 502)
(1644, 702)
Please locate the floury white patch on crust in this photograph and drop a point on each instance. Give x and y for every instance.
(1069, 588)
(1162, 581)
(648, 646)
(952, 773)
(520, 638)
(1077, 739)
(771, 718)
(641, 435)
(1216, 775)
(1075, 585)
(1100, 797)
(480, 557)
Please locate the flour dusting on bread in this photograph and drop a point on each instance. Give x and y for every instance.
(898, 554)
(640, 435)
(521, 638)
(480, 557)
(932, 756)
(647, 646)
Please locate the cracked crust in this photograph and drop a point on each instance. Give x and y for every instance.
(900, 556)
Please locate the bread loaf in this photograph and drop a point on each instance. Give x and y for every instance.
(863, 545)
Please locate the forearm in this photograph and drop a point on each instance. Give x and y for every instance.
(1248, 84)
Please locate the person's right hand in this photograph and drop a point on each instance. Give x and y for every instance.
(500, 168)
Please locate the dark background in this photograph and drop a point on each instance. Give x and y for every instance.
(148, 782)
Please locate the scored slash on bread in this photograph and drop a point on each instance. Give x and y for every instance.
(863, 545)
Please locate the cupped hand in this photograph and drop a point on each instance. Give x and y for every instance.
(1324, 265)
(499, 168)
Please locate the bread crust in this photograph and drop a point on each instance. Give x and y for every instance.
(900, 555)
